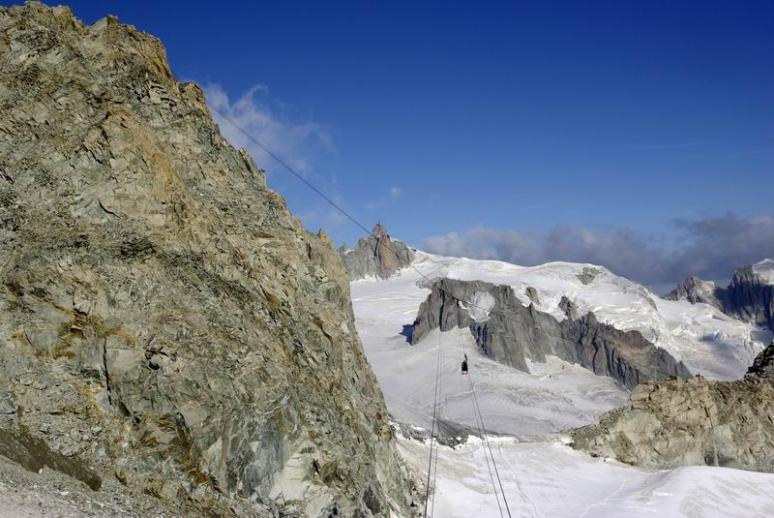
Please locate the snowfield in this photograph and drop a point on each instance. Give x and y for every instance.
(525, 413)
(550, 480)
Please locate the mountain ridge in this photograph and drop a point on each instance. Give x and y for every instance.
(511, 333)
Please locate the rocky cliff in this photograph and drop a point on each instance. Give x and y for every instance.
(511, 333)
(694, 421)
(749, 296)
(376, 256)
(167, 327)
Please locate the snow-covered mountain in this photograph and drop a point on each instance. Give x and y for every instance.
(706, 340)
(541, 475)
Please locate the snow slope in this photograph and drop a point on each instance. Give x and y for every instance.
(557, 395)
(541, 476)
(550, 480)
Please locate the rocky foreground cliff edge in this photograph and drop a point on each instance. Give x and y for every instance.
(692, 422)
(167, 327)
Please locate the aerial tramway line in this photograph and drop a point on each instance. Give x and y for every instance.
(432, 466)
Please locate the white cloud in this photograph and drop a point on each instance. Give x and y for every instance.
(711, 248)
(299, 143)
(296, 142)
(393, 194)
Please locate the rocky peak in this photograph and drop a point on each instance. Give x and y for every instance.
(380, 232)
(166, 324)
(749, 297)
(376, 255)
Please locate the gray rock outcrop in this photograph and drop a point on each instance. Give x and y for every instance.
(569, 308)
(167, 327)
(692, 422)
(532, 295)
(748, 297)
(376, 256)
(511, 333)
(695, 290)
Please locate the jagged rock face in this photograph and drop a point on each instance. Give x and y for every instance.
(166, 322)
(532, 295)
(511, 333)
(678, 423)
(569, 308)
(763, 365)
(748, 297)
(695, 290)
(376, 255)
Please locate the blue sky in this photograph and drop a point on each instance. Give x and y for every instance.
(612, 118)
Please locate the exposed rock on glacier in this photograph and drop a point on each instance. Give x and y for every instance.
(678, 423)
(376, 256)
(569, 308)
(749, 296)
(166, 324)
(532, 295)
(511, 333)
(695, 290)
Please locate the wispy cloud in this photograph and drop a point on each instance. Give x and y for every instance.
(296, 142)
(300, 143)
(710, 247)
(393, 194)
